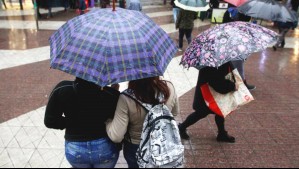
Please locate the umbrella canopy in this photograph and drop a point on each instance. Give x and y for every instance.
(107, 47)
(192, 5)
(267, 9)
(236, 2)
(227, 42)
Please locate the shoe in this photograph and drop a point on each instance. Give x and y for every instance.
(249, 87)
(283, 44)
(183, 133)
(224, 137)
(274, 48)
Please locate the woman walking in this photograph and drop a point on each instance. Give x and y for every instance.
(216, 79)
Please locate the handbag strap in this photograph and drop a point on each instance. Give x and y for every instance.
(231, 71)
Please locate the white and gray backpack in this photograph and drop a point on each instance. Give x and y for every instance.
(160, 145)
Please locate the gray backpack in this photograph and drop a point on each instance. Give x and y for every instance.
(160, 145)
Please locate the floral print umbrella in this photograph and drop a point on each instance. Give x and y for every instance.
(227, 42)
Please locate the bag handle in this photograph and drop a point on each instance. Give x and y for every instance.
(231, 71)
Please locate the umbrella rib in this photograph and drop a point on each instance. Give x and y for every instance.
(93, 54)
(64, 48)
(92, 57)
(138, 55)
(121, 53)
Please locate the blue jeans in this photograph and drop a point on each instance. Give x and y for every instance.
(130, 154)
(100, 153)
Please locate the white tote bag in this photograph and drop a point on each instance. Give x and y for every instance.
(224, 104)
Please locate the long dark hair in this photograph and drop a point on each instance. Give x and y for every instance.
(146, 90)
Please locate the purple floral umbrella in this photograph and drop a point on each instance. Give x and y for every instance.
(227, 42)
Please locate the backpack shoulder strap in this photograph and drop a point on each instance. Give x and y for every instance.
(129, 94)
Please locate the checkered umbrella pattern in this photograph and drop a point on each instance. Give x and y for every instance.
(108, 47)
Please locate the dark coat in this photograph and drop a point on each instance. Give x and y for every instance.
(216, 79)
(227, 18)
(295, 5)
(82, 109)
(186, 19)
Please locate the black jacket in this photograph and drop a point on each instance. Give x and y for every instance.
(82, 109)
(216, 79)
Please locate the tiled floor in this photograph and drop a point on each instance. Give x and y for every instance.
(266, 130)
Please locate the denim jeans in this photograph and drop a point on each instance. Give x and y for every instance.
(100, 153)
(130, 154)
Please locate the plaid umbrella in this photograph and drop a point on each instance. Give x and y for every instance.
(106, 47)
(227, 42)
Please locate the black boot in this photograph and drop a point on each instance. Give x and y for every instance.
(249, 87)
(283, 44)
(183, 133)
(224, 137)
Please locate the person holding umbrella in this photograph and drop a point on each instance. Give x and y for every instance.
(185, 24)
(212, 52)
(102, 47)
(129, 116)
(216, 79)
(185, 20)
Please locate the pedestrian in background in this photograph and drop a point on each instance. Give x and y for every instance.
(82, 108)
(283, 28)
(105, 3)
(82, 6)
(130, 115)
(3, 2)
(185, 24)
(215, 77)
(135, 5)
(122, 3)
(175, 11)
